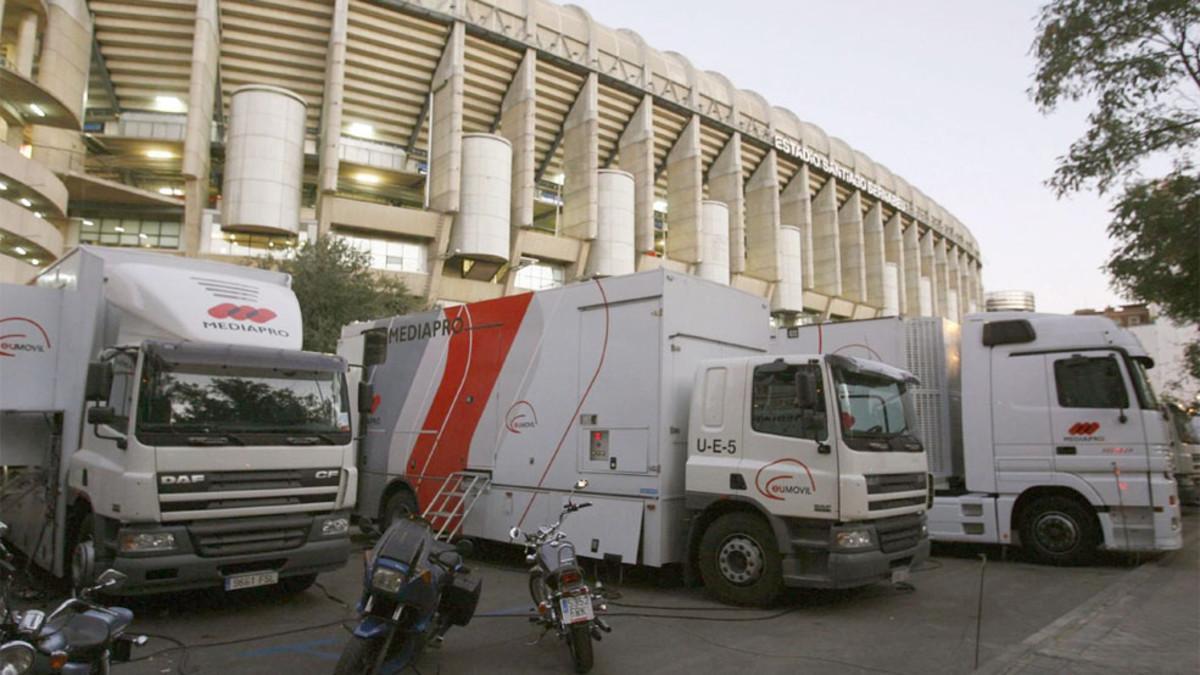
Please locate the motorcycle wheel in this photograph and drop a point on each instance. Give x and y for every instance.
(358, 656)
(579, 639)
(537, 588)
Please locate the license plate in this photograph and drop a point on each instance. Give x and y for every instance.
(900, 575)
(577, 608)
(237, 583)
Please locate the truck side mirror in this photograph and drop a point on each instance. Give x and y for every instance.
(366, 398)
(99, 380)
(101, 414)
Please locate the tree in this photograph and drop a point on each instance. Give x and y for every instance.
(335, 285)
(1139, 62)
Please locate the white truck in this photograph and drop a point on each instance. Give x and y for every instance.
(1042, 429)
(699, 448)
(1185, 444)
(157, 416)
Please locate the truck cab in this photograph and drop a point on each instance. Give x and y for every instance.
(819, 448)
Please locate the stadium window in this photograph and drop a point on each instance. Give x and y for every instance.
(394, 254)
(540, 276)
(130, 233)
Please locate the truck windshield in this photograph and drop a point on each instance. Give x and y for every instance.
(250, 404)
(874, 412)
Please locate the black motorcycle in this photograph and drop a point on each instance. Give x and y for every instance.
(415, 588)
(563, 602)
(80, 637)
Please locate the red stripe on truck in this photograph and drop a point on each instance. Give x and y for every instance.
(473, 364)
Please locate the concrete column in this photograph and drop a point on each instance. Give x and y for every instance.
(581, 160)
(685, 189)
(206, 51)
(332, 101)
(912, 269)
(893, 251)
(518, 116)
(850, 246)
(636, 148)
(941, 279)
(928, 274)
(63, 71)
(762, 221)
(26, 43)
(795, 208)
(1, 12)
(725, 185)
(446, 113)
(873, 254)
(827, 259)
(954, 294)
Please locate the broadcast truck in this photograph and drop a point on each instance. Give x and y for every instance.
(157, 416)
(1042, 429)
(699, 448)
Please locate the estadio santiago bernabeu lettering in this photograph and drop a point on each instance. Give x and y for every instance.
(243, 318)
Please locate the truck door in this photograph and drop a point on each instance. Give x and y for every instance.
(788, 458)
(1097, 427)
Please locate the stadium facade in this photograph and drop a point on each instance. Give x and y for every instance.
(474, 148)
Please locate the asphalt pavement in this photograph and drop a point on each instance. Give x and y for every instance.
(1121, 615)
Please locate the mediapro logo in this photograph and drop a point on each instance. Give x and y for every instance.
(779, 487)
(228, 310)
(520, 416)
(19, 335)
(1083, 429)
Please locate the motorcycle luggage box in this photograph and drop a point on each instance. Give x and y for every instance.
(460, 599)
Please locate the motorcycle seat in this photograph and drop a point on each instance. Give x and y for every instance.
(85, 636)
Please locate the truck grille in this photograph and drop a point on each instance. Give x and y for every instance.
(243, 536)
(227, 481)
(879, 484)
(255, 502)
(899, 533)
(183, 496)
(885, 504)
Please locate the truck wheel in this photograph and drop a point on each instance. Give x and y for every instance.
(1059, 531)
(297, 584)
(399, 506)
(740, 562)
(82, 548)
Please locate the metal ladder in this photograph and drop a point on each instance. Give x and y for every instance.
(453, 502)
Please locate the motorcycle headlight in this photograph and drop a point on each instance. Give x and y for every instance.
(387, 580)
(856, 538)
(16, 658)
(146, 542)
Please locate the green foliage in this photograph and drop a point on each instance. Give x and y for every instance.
(1139, 61)
(335, 285)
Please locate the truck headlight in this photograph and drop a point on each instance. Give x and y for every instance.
(857, 538)
(335, 526)
(146, 542)
(387, 580)
(16, 658)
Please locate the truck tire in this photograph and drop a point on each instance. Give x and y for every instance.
(358, 656)
(297, 584)
(579, 640)
(1059, 530)
(398, 507)
(81, 551)
(740, 562)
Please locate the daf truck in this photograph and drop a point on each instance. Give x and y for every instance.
(158, 417)
(700, 449)
(1042, 429)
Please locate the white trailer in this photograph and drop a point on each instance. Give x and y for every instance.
(1043, 429)
(157, 416)
(699, 448)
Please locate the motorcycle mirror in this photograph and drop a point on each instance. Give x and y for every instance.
(465, 547)
(3, 530)
(111, 578)
(581, 484)
(514, 534)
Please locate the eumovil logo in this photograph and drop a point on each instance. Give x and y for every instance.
(520, 415)
(20, 335)
(797, 481)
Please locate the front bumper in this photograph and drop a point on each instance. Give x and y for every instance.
(812, 566)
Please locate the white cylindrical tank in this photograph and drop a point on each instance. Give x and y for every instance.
(481, 228)
(612, 251)
(1010, 301)
(891, 289)
(952, 304)
(925, 296)
(264, 160)
(789, 292)
(714, 242)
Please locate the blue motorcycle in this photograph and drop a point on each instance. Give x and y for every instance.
(414, 590)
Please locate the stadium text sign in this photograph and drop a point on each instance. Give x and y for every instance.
(795, 149)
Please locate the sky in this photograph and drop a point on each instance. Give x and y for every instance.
(935, 90)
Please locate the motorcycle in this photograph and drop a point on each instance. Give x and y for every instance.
(80, 637)
(562, 599)
(415, 588)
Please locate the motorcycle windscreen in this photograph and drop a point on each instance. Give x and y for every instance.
(608, 526)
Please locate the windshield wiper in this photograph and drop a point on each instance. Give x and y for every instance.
(309, 438)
